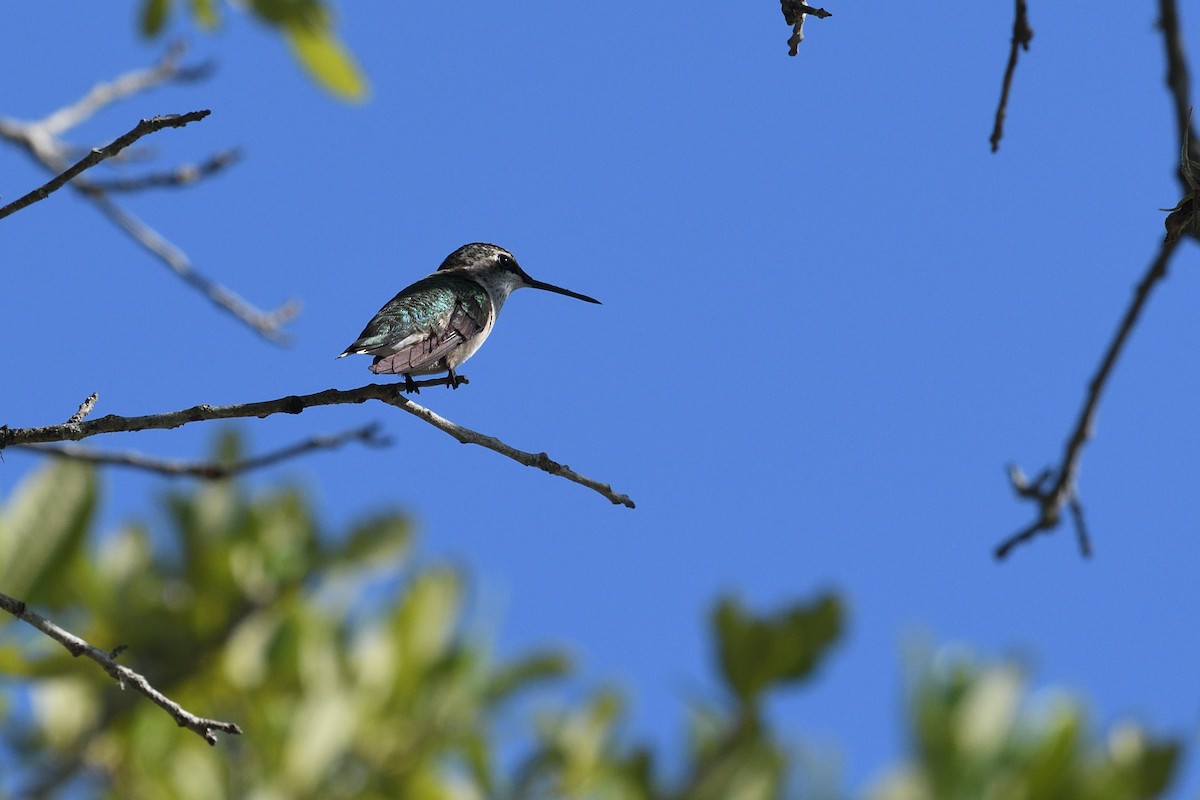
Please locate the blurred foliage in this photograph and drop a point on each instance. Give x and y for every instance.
(306, 25)
(350, 670)
(976, 735)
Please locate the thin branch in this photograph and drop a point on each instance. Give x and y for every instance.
(1085, 541)
(84, 409)
(294, 404)
(1062, 490)
(268, 324)
(182, 175)
(102, 94)
(206, 728)
(210, 470)
(1178, 80)
(1021, 36)
(97, 155)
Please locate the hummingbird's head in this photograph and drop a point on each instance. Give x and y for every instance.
(499, 272)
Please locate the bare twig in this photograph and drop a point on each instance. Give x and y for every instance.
(207, 728)
(182, 175)
(211, 470)
(794, 13)
(84, 409)
(1062, 479)
(99, 154)
(1021, 36)
(1085, 541)
(1178, 80)
(294, 404)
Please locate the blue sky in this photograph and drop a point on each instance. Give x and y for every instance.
(831, 316)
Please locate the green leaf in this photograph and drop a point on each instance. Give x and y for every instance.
(756, 652)
(43, 526)
(1159, 762)
(205, 14)
(520, 675)
(376, 541)
(325, 59)
(284, 12)
(228, 446)
(154, 17)
(426, 621)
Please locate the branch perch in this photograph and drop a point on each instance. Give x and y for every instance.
(206, 728)
(294, 404)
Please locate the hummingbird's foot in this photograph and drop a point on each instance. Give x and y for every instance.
(454, 379)
(410, 386)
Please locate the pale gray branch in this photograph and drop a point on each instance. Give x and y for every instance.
(207, 728)
(102, 94)
(267, 323)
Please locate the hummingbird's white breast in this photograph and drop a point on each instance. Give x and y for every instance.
(467, 349)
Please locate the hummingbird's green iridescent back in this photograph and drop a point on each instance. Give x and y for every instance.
(424, 323)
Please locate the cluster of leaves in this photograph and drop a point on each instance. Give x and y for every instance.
(349, 669)
(306, 25)
(975, 734)
(347, 682)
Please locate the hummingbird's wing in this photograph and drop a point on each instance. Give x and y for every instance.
(423, 323)
(431, 348)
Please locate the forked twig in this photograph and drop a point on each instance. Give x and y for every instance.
(1061, 491)
(41, 140)
(99, 154)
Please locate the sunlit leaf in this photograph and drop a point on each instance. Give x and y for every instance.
(327, 61)
(42, 528)
(64, 709)
(427, 619)
(205, 13)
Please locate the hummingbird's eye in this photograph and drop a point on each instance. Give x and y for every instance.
(507, 261)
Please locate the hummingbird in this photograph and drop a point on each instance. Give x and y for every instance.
(439, 322)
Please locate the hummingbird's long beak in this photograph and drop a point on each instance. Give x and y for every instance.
(549, 287)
